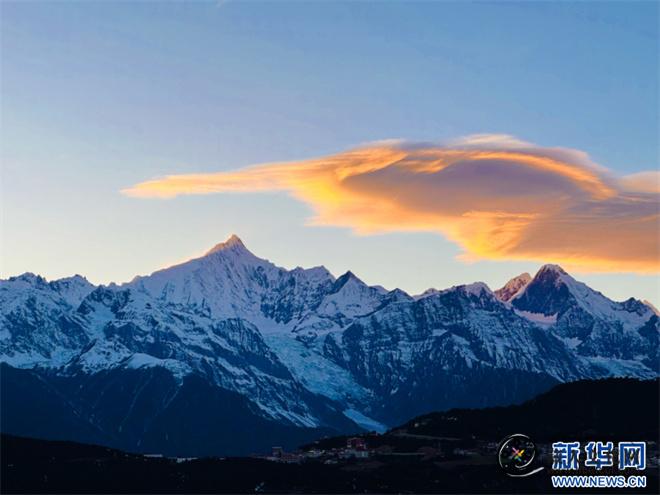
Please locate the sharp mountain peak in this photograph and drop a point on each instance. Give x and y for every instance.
(233, 243)
(513, 287)
(551, 269)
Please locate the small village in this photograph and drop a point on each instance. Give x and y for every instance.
(358, 448)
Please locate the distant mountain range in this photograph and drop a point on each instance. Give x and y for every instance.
(229, 353)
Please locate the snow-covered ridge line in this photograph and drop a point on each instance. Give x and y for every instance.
(235, 246)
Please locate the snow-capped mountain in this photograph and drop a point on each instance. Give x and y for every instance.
(292, 354)
(590, 323)
(38, 322)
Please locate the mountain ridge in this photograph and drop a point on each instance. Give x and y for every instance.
(308, 350)
(235, 243)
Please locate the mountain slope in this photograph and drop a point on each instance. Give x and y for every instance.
(544, 417)
(142, 411)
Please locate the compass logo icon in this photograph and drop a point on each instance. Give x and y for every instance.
(516, 455)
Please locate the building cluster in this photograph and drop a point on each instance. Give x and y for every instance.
(356, 448)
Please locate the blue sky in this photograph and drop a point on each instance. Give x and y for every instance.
(97, 97)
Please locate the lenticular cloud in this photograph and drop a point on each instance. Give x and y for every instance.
(497, 197)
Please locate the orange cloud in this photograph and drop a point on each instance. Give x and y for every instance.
(497, 197)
